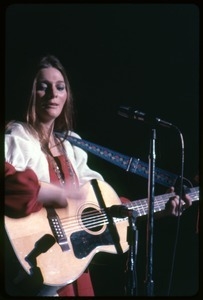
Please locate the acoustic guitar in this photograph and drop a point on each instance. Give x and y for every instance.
(62, 242)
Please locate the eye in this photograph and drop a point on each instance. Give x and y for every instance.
(60, 87)
(41, 86)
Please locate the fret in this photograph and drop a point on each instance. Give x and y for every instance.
(141, 206)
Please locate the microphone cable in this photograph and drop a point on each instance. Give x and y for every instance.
(180, 194)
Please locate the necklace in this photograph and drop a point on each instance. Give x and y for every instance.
(58, 171)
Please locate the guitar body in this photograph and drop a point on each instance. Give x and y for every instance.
(54, 246)
(76, 232)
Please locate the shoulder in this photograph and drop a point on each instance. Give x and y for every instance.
(75, 140)
(74, 134)
(20, 129)
(15, 127)
(67, 137)
(72, 143)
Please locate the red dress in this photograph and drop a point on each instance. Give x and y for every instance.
(21, 190)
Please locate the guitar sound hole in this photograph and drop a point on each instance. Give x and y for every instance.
(92, 219)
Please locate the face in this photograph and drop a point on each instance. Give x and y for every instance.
(51, 94)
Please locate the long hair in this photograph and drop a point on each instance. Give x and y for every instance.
(64, 122)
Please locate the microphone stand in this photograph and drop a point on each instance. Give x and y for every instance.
(132, 238)
(150, 220)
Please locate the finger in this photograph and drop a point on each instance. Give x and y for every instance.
(175, 206)
(171, 206)
(170, 189)
(187, 200)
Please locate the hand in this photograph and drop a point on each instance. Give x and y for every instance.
(52, 195)
(175, 206)
(58, 197)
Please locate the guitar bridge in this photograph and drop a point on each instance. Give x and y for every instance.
(57, 229)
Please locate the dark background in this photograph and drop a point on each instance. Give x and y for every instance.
(141, 55)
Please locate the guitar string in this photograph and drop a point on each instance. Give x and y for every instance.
(156, 206)
(89, 220)
(92, 219)
(137, 207)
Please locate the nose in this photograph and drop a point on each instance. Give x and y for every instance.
(53, 93)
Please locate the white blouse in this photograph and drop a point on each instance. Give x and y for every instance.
(23, 151)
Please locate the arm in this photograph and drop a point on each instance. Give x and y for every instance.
(21, 190)
(24, 194)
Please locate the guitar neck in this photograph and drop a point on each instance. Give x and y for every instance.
(141, 206)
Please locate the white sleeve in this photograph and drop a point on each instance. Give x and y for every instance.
(23, 151)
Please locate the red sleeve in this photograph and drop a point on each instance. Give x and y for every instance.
(21, 190)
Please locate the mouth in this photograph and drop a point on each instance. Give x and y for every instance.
(50, 105)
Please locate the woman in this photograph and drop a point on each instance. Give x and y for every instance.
(37, 162)
(42, 170)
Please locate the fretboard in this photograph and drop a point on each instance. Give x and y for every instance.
(141, 206)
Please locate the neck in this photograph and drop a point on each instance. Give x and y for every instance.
(47, 129)
(52, 141)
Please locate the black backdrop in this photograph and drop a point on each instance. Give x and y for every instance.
(141, 55)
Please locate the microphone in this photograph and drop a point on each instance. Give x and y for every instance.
(119, 211)
(132, 113)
